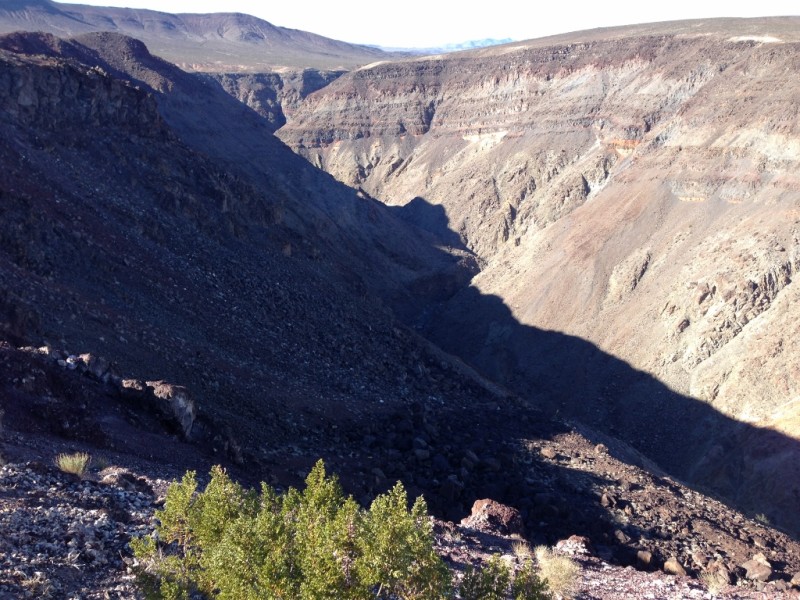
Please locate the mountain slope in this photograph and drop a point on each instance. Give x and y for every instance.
(633, 187)
(180, 288)
(120, 239)
(224, 42)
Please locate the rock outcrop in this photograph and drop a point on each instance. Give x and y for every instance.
(274, 96)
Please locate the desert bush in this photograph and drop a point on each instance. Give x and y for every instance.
(528, 585)
(231, 543)
(521, 550)
(497, 580)
(559, 572)
(396, 551)
(490, 582)
(75, 463)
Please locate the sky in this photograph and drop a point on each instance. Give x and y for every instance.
(430, 23)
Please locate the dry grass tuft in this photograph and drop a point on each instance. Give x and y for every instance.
(715, 581)
(76, 463)
(521, 550)
(38, 585)
(561, 572)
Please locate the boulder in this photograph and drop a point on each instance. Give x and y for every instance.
(644, 559)
(575, 544)
(673, 567)
(493, 517)
(758, 568)
(96, 367)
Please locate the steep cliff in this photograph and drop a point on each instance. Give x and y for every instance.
(274, 95)
(635, 188)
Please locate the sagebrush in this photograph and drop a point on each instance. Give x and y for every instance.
(230, 543)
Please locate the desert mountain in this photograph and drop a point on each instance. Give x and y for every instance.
(634, 188)
(199, 42)
(181, 288)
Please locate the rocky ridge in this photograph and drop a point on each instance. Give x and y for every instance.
(220, 42)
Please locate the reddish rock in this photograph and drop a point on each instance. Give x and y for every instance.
(492, 517)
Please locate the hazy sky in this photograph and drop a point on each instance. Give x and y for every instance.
(420, 23)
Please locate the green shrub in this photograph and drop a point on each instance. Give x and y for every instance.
(230, 543)
(396, 553)
(528, 585)
(491, 582)
(496, 580)
(234, 544)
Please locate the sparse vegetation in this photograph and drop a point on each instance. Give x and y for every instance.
(75, 463)
(521, 550)
(492, 582)
(235, 544)
(497, 580)
(99, 463)
(763, 519)
(530, 585)
(231, 543)
(38, 585)
(560, 572)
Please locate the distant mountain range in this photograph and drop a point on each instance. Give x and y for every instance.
(468, 45)
(200, 42)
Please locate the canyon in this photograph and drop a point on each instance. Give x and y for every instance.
(555, 273)
(634, 188)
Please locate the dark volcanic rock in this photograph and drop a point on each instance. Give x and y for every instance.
(179, 405)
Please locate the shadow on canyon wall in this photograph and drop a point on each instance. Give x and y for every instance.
(750, 468)
(551, 372)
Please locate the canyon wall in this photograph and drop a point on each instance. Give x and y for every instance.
(638, 191)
